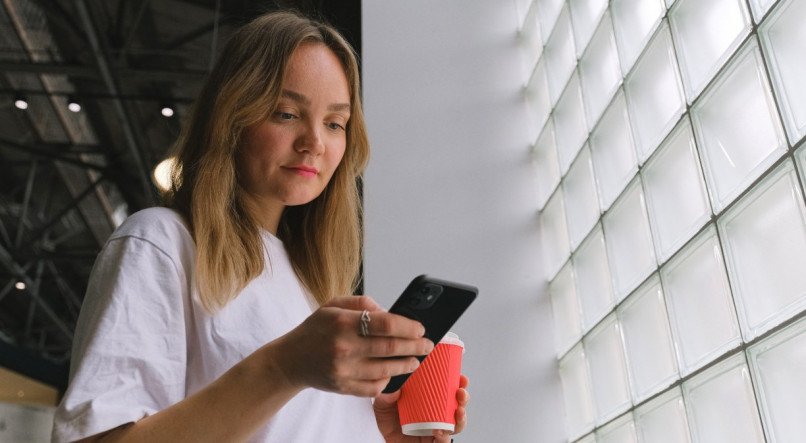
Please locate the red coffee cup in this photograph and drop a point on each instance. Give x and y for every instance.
(428, 398)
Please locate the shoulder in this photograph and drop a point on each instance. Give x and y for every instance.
(153, 224)
(163, 228)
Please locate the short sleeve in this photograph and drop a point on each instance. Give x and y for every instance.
(130, 347)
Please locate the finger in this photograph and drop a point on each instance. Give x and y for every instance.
(363, 388)
(380, 347)
(377, 369)
(462, 397)
(384, 324)
(355, 303)
(461, 419)
(441, 436)
(463, 381)
(386, 400)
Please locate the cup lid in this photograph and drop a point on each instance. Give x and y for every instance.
(452, 339)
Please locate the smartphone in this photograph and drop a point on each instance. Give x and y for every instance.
(435, 303)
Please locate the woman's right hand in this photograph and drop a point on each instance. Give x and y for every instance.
(327, 352)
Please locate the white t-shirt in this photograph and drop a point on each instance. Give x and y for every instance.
(143, 341)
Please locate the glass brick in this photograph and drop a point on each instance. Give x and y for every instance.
(764, 237)
(677, 200)
(721, 405)
(778, 364)
(647, 341)
(629, 242)
(565, 307)
(530, 40)
(706, 34)
(800, 156)
(548, 12)
(605, 351)
(760, 7)
(569, 124)
(737, 128)
(585, 15)
(576, 389)
(634, 22)
(613, 152)
(590, 438)
(593, 279)
(560, 55)
(581, 201)
(783, 38)
(621, 430)
(698, 297)
(537, 95)
(547, 168)
(599, 71)
(554, 234)
(654, 94)
(663, 419)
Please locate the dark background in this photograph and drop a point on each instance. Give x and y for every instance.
(67, 179)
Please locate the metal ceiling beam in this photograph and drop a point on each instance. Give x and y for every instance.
(191, 36)
(123, 114)
(7, 288)
(73, 302)
(47, 154)
(130, 38)
(37, 235)
(69, 148)
(48, 68)
(28, 93)
(8, 261)
(26, 200)
(145, 75)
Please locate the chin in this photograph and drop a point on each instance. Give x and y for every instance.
(301, 200)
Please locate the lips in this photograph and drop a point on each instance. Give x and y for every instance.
(304, 170)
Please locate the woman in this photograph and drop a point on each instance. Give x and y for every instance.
(224, 318)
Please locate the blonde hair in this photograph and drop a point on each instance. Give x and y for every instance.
(323, 237)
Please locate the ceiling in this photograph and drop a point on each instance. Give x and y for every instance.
(67, 179)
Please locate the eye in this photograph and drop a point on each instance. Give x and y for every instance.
(284, 115)
(335, 126)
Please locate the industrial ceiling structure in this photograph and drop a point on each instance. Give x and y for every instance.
(92, 93)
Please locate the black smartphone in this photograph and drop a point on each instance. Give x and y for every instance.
(435, 303)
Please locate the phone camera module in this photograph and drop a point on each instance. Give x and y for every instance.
(426, 296)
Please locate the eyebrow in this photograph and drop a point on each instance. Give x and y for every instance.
(297, 97)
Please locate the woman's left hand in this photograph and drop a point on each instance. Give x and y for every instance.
(389, 423)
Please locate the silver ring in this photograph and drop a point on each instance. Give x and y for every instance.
(364, 324)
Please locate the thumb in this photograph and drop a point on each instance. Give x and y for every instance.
(384, 401)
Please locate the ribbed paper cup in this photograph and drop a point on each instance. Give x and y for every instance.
(428, 398)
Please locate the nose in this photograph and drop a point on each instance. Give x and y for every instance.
(310, 141)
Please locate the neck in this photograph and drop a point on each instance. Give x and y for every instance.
(267, 214)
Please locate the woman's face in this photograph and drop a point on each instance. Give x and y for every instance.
(289, 158)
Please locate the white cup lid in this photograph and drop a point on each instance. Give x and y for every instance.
(452, 339)
(425, 429)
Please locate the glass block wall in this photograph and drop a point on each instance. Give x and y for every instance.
(670, 164)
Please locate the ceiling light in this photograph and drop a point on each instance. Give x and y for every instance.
(73, 104)
(167, 111)
(162, 174)
(20, 285)
(20, 102)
